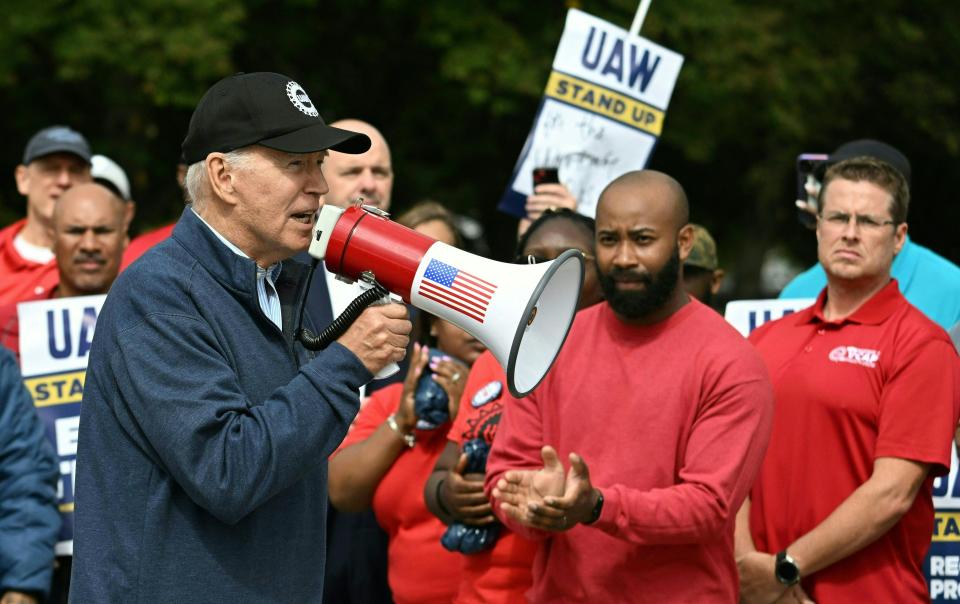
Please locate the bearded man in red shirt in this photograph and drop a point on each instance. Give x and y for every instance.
(867, 396)
(666, 402)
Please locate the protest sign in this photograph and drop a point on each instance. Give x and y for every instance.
(602, 111)
(55, 338)
(942, 565)
(747, 315)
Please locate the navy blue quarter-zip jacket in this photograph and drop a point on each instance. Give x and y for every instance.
(204, 435)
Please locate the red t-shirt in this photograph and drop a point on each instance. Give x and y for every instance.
(143, 243)
(419, 569)
(501, 574)
(881, 383)
(672, 420)
(22, 280)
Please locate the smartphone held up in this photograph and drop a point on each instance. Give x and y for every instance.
(545, 175)
(809, 173)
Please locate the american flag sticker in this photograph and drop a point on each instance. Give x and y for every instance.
(456, 289)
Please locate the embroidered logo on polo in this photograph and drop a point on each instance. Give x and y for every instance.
(490, 392)
(298, 96)
(854, 355)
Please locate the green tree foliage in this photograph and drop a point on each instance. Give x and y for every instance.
(455, 86)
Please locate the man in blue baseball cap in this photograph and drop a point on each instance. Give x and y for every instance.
(55, 159)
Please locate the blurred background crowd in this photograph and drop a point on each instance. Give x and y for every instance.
(455, 92)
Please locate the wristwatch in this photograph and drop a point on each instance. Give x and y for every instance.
(786, 570)
(408, 438)
(597, 509)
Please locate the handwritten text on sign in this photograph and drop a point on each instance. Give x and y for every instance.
(602, 112)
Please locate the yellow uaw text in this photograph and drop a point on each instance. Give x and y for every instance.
(56, 389)
(604, 101)
(946, 526)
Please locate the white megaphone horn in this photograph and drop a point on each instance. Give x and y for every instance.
(522, 313)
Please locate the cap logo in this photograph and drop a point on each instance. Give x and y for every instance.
(298, 96)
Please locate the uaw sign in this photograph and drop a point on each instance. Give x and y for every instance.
(602, 111)
(747, 315)
(942, 565)
(55, 339)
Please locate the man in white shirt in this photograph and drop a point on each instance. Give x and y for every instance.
(356, 568)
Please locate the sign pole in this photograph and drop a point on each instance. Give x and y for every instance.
(639, 17)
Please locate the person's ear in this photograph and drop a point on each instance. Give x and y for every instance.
(899, 237)
(22, 175)
(717, 280)
(129, 211)
(222, 178)
(685, 242)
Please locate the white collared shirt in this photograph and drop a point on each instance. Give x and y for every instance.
(266, 279)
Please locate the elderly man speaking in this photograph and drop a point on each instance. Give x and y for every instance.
(205, 429)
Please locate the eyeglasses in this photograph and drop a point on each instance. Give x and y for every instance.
(536, 259)
(839, 220)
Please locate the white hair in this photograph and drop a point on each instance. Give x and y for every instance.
(196, 179)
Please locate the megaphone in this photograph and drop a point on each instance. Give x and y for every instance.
(522, 313)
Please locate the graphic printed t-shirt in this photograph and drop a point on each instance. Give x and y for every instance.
(501, 574)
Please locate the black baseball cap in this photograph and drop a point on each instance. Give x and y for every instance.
(56, 139)
(264, 108)
(868, 147)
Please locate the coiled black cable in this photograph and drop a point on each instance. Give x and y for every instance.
(341, 323)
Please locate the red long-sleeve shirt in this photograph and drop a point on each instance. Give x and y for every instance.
(672, 420)
(419, 568)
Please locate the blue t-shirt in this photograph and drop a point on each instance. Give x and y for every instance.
(928, 281)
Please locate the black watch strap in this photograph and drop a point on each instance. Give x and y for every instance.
(597, 509)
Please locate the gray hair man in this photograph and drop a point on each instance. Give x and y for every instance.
(206, 426)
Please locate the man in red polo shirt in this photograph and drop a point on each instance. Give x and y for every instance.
(867, 398)
(55, 159)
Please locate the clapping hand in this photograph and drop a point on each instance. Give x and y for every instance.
(521, 493)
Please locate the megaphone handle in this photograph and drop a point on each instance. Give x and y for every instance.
(375, 293)
(387, 371)
(392, 368)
